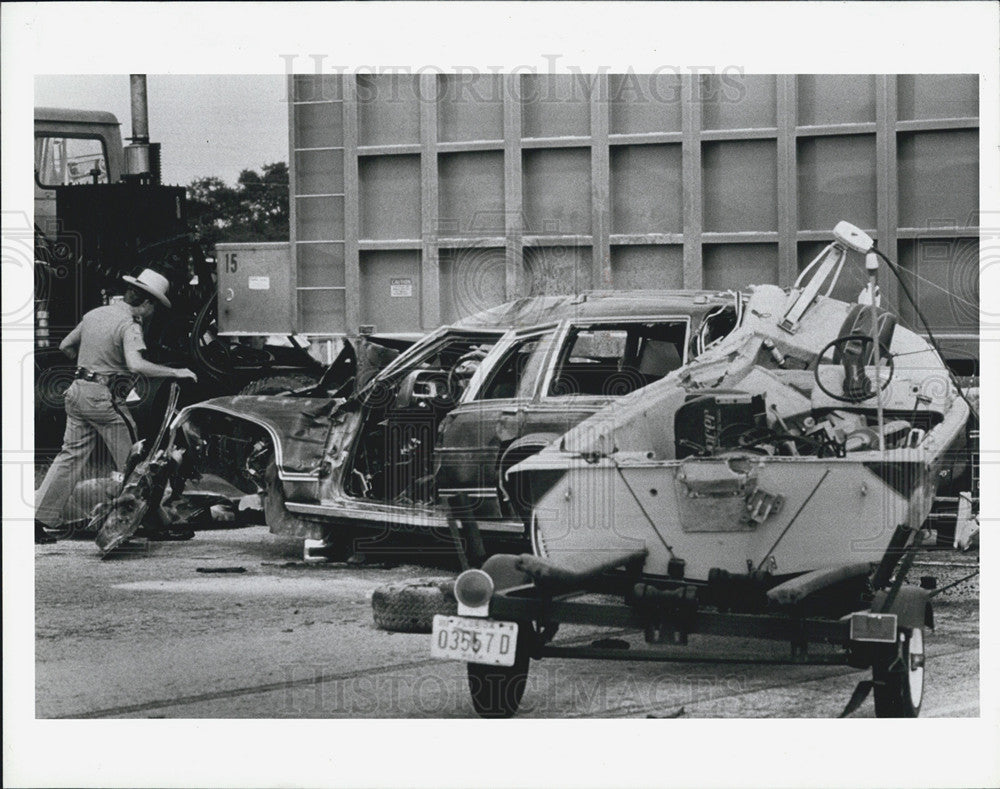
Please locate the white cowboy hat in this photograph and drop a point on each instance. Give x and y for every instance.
(153, 283)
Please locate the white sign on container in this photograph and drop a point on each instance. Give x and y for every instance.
(401, 288)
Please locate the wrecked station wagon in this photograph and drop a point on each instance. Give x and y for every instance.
(447, 417)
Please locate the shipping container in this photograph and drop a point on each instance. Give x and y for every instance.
(417, 199)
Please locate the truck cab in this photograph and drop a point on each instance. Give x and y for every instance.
(73, 147)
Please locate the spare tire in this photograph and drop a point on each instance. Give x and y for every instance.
(279, 384)
(410, 606)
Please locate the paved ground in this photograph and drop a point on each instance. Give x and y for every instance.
(149, 636)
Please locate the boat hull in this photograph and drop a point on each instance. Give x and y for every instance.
(737, 512)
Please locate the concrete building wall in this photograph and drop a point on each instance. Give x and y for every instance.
(419, 199)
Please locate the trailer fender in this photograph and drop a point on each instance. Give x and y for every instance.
(912, 607)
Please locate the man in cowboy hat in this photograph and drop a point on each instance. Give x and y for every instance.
(106, 344)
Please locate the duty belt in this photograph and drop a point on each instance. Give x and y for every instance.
(108, 379)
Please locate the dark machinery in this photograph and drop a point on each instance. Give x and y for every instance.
(119, 224)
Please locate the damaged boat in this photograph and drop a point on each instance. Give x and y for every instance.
(800, 441)
(774, 487)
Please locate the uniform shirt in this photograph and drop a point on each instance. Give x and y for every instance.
(105, 334)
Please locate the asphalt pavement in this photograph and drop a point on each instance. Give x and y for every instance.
(232, 624)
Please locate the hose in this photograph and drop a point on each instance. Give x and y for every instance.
(930, 334)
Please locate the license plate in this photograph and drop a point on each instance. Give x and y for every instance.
(873, 627)
(474, 640)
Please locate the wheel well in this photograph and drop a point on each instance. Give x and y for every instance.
(525, 446)
(517, 451)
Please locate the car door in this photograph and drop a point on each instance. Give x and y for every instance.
(392, 456)
(491, 416)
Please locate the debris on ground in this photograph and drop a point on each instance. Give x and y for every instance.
(677, 713)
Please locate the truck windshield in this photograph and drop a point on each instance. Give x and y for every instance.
(61, 161)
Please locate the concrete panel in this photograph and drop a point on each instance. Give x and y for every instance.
(738, 265)
(388, 109)
(390, 290)
(740, 185)
(472, 279)
(556, 270)
(319, 172)
(939, 178)
(646, 189)
(645, 103)
(320, 265)
(389, 196)
(836, 180)
(470, 192)
(836, 98)
(556, 190)
(319, 218)
(738, 101)
(317, 87)
(318, 125)
(470, 107)
(741, 168)
(945, 282)
(645, 266)
(321, 311)
(923, 96)
(555, 105)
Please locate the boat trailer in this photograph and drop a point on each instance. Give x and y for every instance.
(865, 609)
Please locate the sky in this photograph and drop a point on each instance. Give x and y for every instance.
(214, 124)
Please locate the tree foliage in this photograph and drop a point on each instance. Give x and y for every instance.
(256, 209)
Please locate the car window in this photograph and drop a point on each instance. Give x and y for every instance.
(718, 324)
(613, 359)
(60, 161)
(515, 373)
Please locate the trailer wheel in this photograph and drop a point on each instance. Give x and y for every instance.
(497, 690)
(410, 607)
(899, 677)
(278, 384)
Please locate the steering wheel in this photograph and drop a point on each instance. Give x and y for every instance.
(847, 354)
(219, 357)
(465, 366)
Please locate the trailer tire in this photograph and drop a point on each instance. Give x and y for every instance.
(410, 607)
(898, 676)
(497, 691)
(278, 384)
